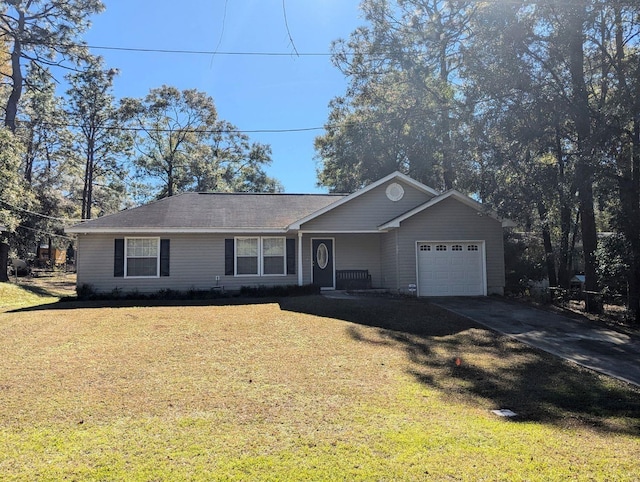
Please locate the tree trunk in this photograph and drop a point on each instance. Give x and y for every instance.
(85, 190)
(548, 245)
(16, 77)
(90, 191)
(448, 173)
(564, 275)
(4, 262)
(629, 189)
(629, 178)
(584, 171)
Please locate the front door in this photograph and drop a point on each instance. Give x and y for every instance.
(323, 272)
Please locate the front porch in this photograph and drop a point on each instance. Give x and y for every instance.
(341, 261)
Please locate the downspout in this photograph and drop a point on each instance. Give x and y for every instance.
(300, 277)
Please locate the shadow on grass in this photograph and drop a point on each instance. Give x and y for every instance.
(474, 365)
(74, 304)
(37, 290)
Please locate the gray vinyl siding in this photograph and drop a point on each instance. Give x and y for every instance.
(388, 260)
(450, 220)
(194, 263)
(360, 251)
(368, 211)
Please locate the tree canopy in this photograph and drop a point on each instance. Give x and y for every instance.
(39, 32)
(182, 145)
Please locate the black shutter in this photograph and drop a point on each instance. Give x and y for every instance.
(118, 258)
(291, 256)
(229, 248)
(164, 257)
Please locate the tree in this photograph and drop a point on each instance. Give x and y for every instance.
(45, 33)
(12, 189)
(402, 109)
(583, 53)
(183, 146)
(42, 130)
(98, 134)
(46, 160)
(623, 137)
(523, 131)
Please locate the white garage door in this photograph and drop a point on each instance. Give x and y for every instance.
(450, 269)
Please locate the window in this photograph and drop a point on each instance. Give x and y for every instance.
(273, 256)
(441, 247)
(456, 247)
(425, 247)
(472, 247)
(261, 256)
(247, 256)
(142, 257)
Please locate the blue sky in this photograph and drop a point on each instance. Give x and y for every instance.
(251, 92)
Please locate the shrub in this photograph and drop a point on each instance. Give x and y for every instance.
(85, 292)
(279, 291)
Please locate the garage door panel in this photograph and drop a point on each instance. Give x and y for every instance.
(450, 269)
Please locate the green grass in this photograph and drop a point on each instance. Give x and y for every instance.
(15, 296)
(303, 389)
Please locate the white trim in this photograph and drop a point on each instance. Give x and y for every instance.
(300, 262)
(126, 257)
(337, 231)
(472, 203)
(160, 231)
(483, 251)
(284, 256)
(394, 175)
(235, 256)
(333, 256)
(260, 266)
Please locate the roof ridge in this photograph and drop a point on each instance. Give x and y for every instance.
(240, 193)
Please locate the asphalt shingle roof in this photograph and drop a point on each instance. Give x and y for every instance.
(215, 211)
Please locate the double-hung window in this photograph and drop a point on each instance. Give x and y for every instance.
(257, 256)
(274, 256)
(247, 256)
(142, 257)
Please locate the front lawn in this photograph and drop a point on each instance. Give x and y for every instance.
(302, 389)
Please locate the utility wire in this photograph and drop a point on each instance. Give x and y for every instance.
(370, 122)
(210, 52)
(224, 21)
(44, 232)
(196, 131)
(286, 24)
(53, 218)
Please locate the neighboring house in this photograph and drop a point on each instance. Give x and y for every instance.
(408, 237)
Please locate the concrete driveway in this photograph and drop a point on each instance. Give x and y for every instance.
(589, 344)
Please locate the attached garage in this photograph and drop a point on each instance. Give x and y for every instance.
(448, 268)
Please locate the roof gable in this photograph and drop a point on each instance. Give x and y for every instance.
(452, 193)
(394, 176)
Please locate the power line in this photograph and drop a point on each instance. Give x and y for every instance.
(211, 52)
(369, 122)
(195, 131)
(48, 233)
(53, 218)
